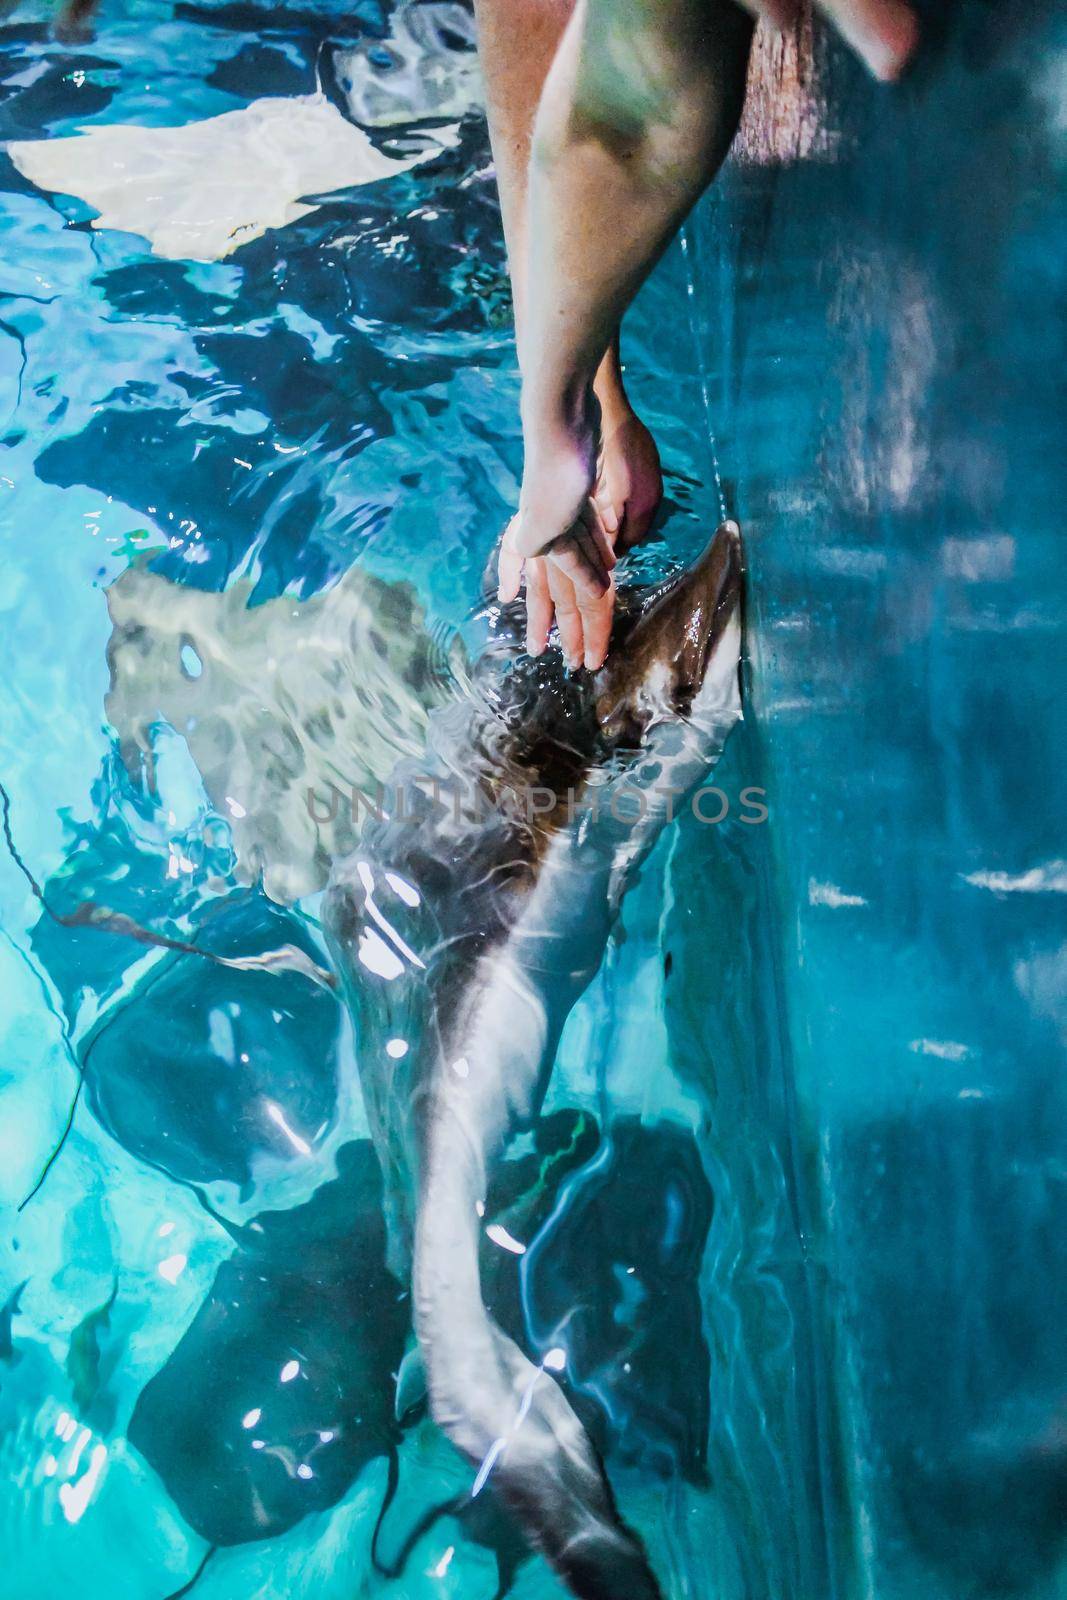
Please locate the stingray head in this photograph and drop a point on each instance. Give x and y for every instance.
(678, 654)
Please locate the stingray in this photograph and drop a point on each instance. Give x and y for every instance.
(203, 1071)
(280, 1391)
(614, 1278)
(198, 191)
(284, 1387)
(277, 700)
(467, 931)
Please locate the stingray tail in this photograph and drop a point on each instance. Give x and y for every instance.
(88, 914)
(451, 1507)
(187, 1588)
(507, 1415)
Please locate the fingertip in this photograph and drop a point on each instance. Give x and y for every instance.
(898, 55)
(886, 36)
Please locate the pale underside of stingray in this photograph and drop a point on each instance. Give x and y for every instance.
(277, 703)
(198, 191)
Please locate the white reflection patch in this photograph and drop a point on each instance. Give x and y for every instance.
(503, 1238)
(277, 1116)
(74, 1498)
(377, 957)
(403, 889)
(1048, 879)
(828, 894)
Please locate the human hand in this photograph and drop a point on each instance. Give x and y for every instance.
(883, 33)
(570, 583)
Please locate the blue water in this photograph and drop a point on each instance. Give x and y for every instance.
(246, 506)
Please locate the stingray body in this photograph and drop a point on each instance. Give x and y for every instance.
(618, 1267)
(200, 190)
(281, 1389)
(465, 926)
(205, 1072)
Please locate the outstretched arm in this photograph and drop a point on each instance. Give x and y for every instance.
(638, 110)
(517, 42)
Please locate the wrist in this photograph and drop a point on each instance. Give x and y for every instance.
(568, 409)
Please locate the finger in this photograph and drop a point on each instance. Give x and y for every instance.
(585, 572)
(585, 554)
(596, 626)
(568, 616)
(509, 569)
(593, 523)
(538, 606)
(609, 517)
(883, 33)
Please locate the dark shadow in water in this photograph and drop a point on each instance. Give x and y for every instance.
(616, 1272)
(283, 1387)
(204, 1070)
(281, 1390)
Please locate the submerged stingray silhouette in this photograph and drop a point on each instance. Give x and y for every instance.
(203, 1070)
(200, 190)
(284, 1386)
(614, 1278)
(281, 1390)
(274, 699)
